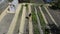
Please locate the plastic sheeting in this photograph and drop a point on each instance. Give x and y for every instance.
(13, 6)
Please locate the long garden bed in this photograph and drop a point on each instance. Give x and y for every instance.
(35, 24)
(16, 31)
(45, 30)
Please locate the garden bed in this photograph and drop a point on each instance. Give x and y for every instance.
(41, 18)
(35, 24)
(16, 31)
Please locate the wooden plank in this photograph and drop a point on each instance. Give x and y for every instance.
(22, 23)
(30, 21)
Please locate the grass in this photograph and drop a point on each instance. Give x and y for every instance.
(35, 24)
(34, 18)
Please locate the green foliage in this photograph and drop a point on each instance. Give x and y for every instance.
(26, 5)
(55, 4)
(36, 30)
(35, 24)
(34, 18)
(10, 0)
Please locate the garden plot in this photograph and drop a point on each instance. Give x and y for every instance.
(26, 28)
(41, 18)
(16, 30)
(35, 24)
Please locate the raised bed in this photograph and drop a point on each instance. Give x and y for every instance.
(35, 24)
(16, 31)
(46, 30)
(41, 18)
